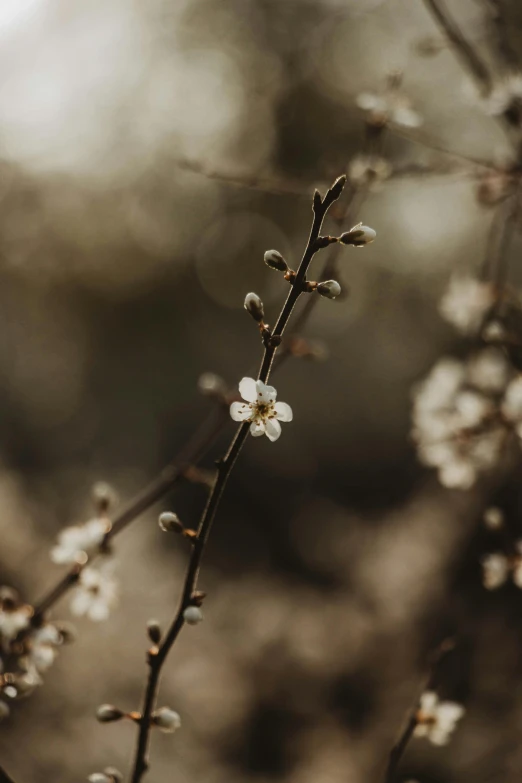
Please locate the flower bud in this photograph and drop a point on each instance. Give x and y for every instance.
(114, 774)
(494, 332)
(493, 518)
(104, 495)
(4, 710)
(166, 719)
(154, 631)
(106, 713)
(330, 288)
(275, 260)
(99, 777)
(254, 306)
(337, 187)
(193, 615)
(212, 385)
(170, 523)
(67, 632)
(359, 235)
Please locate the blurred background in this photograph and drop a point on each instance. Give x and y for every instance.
(133, 138)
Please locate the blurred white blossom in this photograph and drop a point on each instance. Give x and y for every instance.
(495, 570)
(436, 720)
(390, 106)
(369, 170)
(456, 418)
(498, 567)
(14, 616)
(261, 409)
(493, 518)
(79, 540)
(96, 593)
(512, 403)
(465, 303)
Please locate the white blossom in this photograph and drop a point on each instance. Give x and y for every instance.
(489, 371)
(260, 408)
(76, 541)
(390, 106)
(465, 303)
(512, 402)
(42, 645)
(493, 518)
(369, 170)
(495, 570)
(96, 594)
(436, 720)
(13, 619)
(456, 421)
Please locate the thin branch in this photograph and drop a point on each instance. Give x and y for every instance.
(501, 34)
(463, 48)
(496, 262)
(191, 453)
(417, 137)
(4, 777)
(398, 750)
(158, 655)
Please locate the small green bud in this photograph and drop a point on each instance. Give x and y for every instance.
(275, 260)
(254, 306)
(330, 289)
(106, 713)
(170, 523)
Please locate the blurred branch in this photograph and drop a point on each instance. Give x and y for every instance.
(496, 262)
(4, 777)
(425, 141)
(280, 187)
(501, 35)
(463, 48)
(158, 655)
(398, 750)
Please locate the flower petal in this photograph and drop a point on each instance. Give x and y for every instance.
(283, 411)
(240, 411)
(257, 428)
(265, 393)
(247, 389)
(273, 429)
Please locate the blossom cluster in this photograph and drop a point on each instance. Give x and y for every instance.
(460, 415)
(437, 720)
(388, 106)
(26, 651)
(465, 409)
(96, 591)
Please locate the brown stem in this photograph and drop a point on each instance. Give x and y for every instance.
(4, 777)
(501, 34)
(463, 48)
(157, 657)
(191, 453)
(398, 750)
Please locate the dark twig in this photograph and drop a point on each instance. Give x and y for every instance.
(158, 655)
(501, 34)
(463, 48)
(4, 777)
(398, 750)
